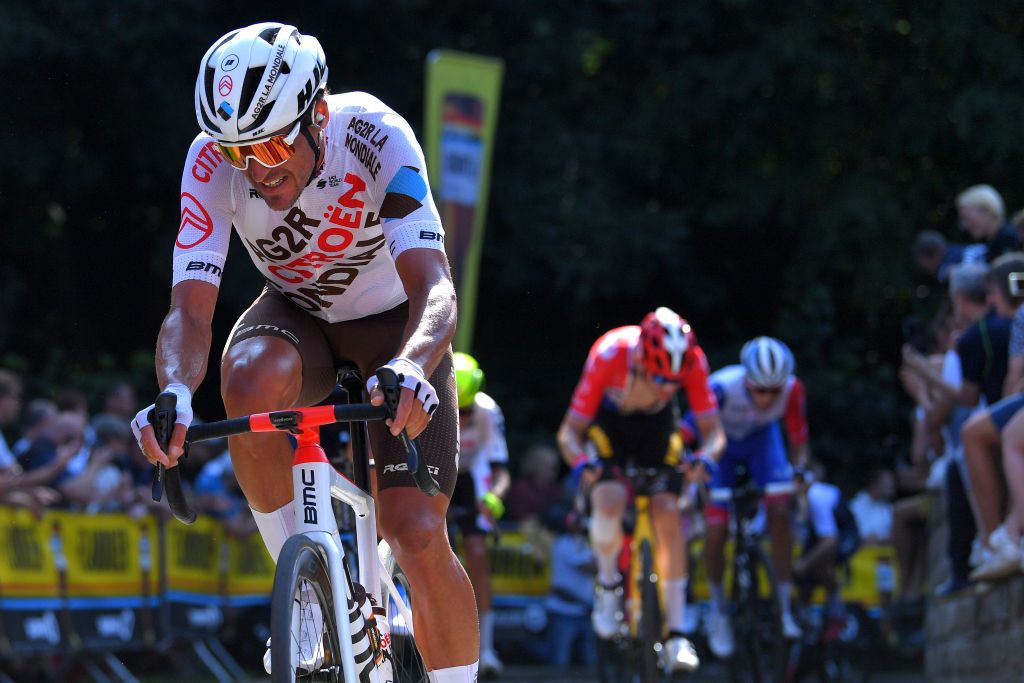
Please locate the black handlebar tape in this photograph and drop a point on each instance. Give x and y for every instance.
(425, 481)
(162, 417)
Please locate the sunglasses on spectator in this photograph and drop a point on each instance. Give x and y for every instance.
(270, 153)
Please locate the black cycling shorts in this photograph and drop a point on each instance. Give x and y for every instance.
(647, 442)
(463, 511)
(368, 343)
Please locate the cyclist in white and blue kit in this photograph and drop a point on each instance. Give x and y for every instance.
(753, 398)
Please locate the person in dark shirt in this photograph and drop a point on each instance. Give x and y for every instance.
(982, 215)
(934, 255)
(984, 350)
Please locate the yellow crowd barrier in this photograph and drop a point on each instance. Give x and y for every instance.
(72, 580)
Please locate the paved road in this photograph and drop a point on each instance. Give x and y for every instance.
(709, 674)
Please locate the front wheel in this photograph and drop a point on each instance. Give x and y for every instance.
(407, 663)
(304, 637)
(757, 623)
(649, 636)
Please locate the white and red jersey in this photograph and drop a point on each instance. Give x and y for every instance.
(612, 373)
(333, 252)
(482, 442)
(482, 438)
(741, 418)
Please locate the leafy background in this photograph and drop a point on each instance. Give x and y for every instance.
(760, 167)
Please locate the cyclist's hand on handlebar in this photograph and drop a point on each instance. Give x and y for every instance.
(699, 467)
(418, 399)
(146, 436)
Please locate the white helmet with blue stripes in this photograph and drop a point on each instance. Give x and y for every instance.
(768, 361)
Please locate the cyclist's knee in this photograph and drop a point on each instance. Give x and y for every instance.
(412, 530)
(258, 374)
(605, 531)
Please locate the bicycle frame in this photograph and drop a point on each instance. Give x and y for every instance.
(643, 529)
(315, 482)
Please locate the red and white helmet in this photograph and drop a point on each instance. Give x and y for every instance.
(665, 339)
(257, 80)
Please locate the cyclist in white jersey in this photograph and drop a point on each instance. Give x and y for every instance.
(482, 484)
(329, 196)
(753, 398)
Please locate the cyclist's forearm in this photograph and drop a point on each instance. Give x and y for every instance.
(570, 441)
(183, 349)
(800, 455)
(500, 480)
(432, 311)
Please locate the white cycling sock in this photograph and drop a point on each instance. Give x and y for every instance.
(608, 568)
(718, 597)
(455, 674)
(785, 588)
(276, 527)
(486, 631)
(675, 603)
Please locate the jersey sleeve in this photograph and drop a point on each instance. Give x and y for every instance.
(204, 231)
(408, 215)
(596, 378)
(795, 417)
(698, 388)
(494, 449)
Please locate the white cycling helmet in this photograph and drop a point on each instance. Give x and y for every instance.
(257, 80)
(769, 362)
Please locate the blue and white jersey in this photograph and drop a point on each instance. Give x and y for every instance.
(740, 417)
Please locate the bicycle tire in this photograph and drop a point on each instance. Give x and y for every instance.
(649, 638)
(406, 660)
(302, 571)
(759, 656)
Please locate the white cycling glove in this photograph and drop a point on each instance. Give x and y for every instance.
(183, 410)
(411, 377)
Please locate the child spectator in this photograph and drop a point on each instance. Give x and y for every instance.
(570, 637)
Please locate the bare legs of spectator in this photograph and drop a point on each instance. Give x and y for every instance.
(1013, 465)
(981, 443)
(909, 540)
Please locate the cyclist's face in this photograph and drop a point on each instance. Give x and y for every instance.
(281, 186)
(763, 398)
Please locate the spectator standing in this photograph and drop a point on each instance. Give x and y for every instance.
(38, 417)
(536, 486)
(934, 255)
(982, 215)
(571, 595)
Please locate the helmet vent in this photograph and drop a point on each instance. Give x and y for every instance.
(270, 34)
(253, 76)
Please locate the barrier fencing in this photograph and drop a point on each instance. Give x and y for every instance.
(73, 582)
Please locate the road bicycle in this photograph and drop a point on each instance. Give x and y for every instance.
(756, 618)
(637, 654)
(832, 650)
(326, 625)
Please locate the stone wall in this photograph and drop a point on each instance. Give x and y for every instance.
(977, 635)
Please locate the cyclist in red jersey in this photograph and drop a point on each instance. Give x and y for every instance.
(625, 409)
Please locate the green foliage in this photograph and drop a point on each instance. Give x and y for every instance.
(761, 167)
